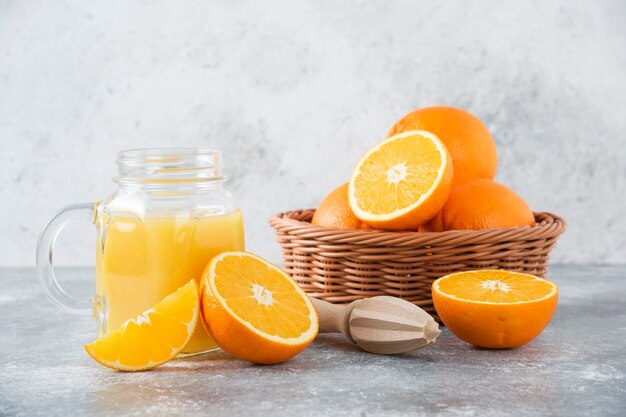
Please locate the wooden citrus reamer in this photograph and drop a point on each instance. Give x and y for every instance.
(381, 324)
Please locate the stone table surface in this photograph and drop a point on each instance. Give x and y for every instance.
(576, 367)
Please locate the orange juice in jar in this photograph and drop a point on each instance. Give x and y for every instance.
(169, 217)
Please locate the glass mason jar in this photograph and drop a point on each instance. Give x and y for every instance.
(168, 218)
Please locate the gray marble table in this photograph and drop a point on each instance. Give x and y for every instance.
(576, 367)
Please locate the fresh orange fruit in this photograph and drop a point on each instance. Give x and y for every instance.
(335, 211)
(481, 204)
(254, 310)
(470, 144)
(495, 309)
(402, 182)
(152, 338)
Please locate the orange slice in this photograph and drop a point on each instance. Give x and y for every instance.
(495, 309)
(254, 310)
(402, 182)
(152, 338)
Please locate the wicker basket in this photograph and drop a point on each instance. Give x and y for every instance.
(342, 265)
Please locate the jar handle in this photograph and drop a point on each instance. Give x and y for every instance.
(45, 248)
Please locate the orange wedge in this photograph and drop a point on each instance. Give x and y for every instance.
(495, 309)
(254, 310)
(152, 338)
(402, 182)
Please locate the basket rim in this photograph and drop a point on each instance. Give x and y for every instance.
(548, 225)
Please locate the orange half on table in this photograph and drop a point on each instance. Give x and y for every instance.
(495, 308)
(154, 337)
(254, 310)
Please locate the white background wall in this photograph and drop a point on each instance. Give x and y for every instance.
(294, 92)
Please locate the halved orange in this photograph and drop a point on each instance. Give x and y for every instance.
(495, 308)
(402, 182)
(152, 338)
(254, 310)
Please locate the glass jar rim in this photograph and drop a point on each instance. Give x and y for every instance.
(158, 168)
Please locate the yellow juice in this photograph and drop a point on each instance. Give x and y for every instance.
(140, 261)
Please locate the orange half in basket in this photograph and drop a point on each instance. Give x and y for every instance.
(402, 182)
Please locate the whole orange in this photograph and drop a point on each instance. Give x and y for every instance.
(468, 140)
(481, 204)
(494, 308)
(335, 211)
